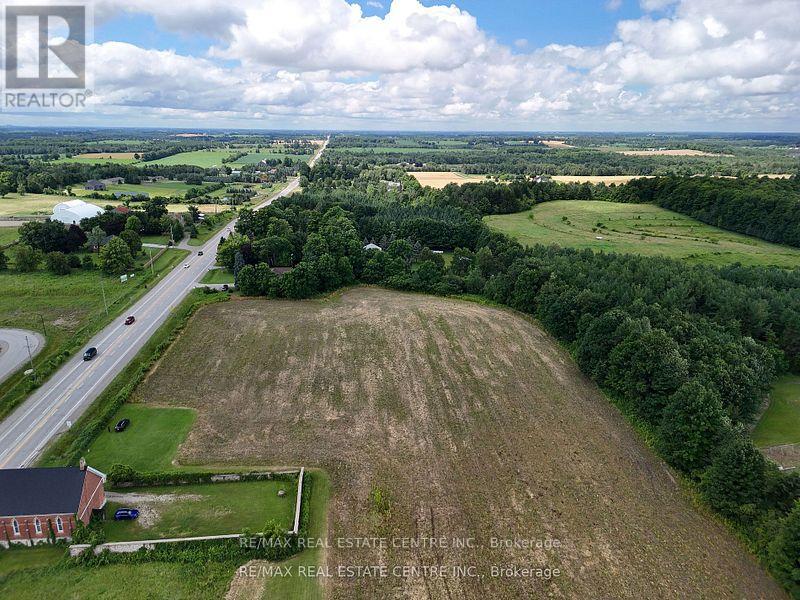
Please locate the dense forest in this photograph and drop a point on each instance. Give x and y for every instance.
(688, 352)
(765, 208)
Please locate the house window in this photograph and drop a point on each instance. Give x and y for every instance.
(15, 526)
(38, 525)
(59, 524)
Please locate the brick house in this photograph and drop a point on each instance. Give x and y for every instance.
(35, 501)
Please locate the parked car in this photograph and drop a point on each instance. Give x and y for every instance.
(122, 425)
(126, 514)
(186, 266)
(90, 353)
(200, 253)
(130, 320)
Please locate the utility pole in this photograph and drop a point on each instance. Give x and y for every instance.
(103, 289)
(44, 327)
(150, 250)
(30, 356)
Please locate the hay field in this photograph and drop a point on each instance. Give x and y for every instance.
(638, 229)
(111, 155)
(439, 179)
(675, 152)
(556, 144)
(607, 179)
(442, 419)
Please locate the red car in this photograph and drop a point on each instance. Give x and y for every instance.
(130, 320)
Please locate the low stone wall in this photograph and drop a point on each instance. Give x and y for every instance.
(133, 546)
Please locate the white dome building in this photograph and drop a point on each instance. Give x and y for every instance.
(72, 211)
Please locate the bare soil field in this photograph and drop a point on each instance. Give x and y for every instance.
(441, 420)
(677, 152)
(439, 179)
(607, 179)
(113, 155)
(556, 144)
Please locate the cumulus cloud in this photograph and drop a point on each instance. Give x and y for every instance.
(708, 61)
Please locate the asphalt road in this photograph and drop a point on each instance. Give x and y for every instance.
(14, 349)
(58, 403)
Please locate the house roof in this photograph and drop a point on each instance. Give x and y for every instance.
(55, 490)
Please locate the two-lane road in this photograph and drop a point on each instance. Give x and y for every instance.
(67, 394)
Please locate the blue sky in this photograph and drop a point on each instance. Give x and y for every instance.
(633, 65)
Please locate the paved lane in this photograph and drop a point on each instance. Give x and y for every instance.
(68, 393)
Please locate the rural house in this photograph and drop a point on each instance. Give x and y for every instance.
(35, 502)
(93, 184)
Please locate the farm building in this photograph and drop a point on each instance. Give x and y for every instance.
(94, 185)
(72, 211)
(36, 502)
(113, 181)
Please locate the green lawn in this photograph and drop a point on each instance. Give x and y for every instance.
(217, 276)
(205, 509)
(198, 158)
(67, 309)
(14, 205)
(638, 229)
(780, 423)
(205, 233)
(20, 558)
(154, 239)
(305, 588)
(92, 161)
(143, 581)
(148, 444)
(8, 235)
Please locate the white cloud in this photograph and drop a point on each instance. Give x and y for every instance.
(734, 62)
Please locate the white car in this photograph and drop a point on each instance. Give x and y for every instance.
(186, 266)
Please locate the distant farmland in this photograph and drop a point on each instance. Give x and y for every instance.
(439, 418)
(638, 229)
(197, 158)
(439, 179)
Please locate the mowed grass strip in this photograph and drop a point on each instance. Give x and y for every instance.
(638, 229)
(438, 417)
(205, 509)
(22, 558)
(143, 581)
(148, 444)
(218, 276)
(8, 235)
(780, 423)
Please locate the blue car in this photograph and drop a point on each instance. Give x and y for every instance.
(126, 514)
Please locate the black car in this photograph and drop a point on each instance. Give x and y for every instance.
(90, 353)
(122, 425)
(200, 253)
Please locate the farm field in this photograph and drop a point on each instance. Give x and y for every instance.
(556, 144)
(14, 205)
(674, 152)
(439, 179)
(147, 444)
(120, 158)
(198, 158)
(162, 188)
(607, 179)
(780, 423)
(638, 229)
(437, 417)
(204, 509)
(144, 581)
